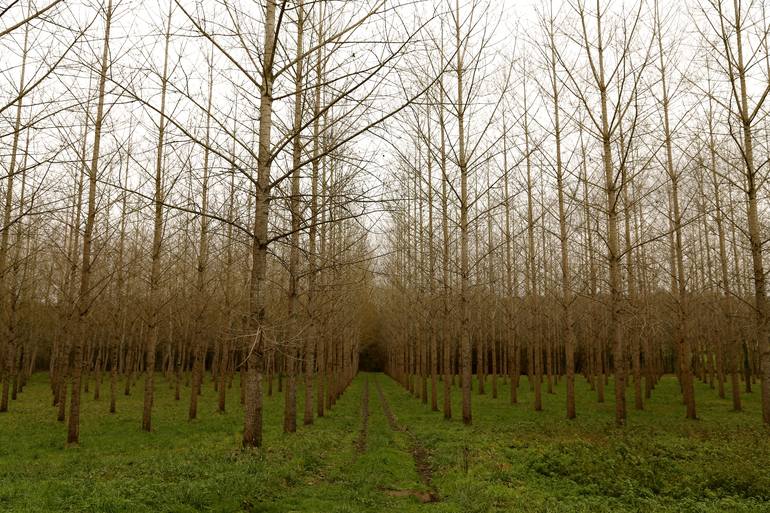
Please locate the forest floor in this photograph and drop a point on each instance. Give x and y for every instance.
(381, 449)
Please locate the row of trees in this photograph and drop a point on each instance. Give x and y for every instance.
(594, 204)
(184, 191)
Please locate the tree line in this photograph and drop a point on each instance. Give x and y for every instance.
(185, 194)
(594, 203)
(195, 191)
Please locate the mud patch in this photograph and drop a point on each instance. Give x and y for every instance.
(422, 496)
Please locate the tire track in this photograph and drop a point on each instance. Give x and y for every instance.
(418, 451)
(361, 441)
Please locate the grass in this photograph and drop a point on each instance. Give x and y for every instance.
(510, 459)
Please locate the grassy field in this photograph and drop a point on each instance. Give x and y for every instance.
(511, 459)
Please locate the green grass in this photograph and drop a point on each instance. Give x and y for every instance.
(511, 459)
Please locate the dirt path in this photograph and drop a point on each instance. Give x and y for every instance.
(419, 453)
(361, 441)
